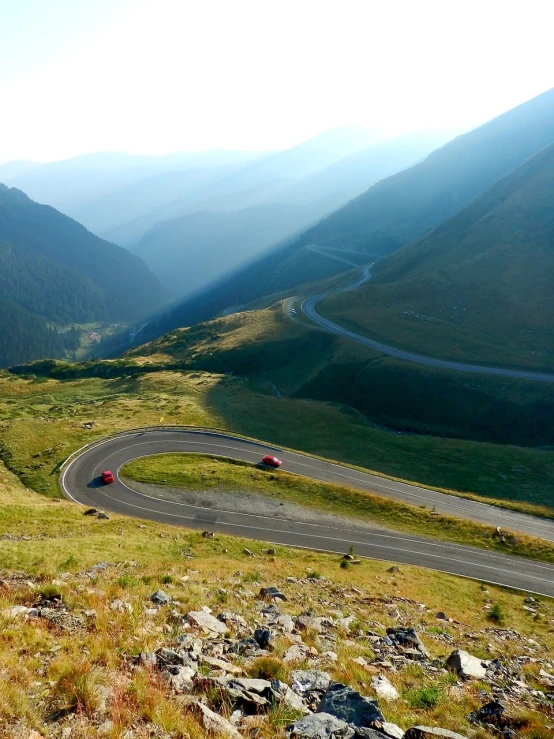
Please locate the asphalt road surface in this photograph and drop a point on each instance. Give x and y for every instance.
(308, 307)
(81, 482)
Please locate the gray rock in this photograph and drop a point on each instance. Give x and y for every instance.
(160, 598)
(428, 732)
(271, 592)
(407, 637)
(206, 621)
(371, 734)
(308, 681)
(167, 656)
(262, 637)
(287, 696)
(392, 730)
(319, 726)
(348, 705)
(384, 688)
(180, 677)
(148, 658)
(491, 714)
(466, 665)
(216, 724)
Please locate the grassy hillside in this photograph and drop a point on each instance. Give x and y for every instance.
(78, 670)
(476, 288)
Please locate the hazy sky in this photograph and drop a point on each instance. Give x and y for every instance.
(156, 76)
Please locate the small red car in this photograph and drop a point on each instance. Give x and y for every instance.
(271, 461)
(107, 477)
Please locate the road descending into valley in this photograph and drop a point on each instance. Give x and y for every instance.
(308, 307)
(81, 482)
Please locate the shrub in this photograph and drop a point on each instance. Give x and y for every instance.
(496, 614)
(428, 696)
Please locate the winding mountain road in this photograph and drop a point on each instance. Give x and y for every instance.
(81, 483)
(308, 307)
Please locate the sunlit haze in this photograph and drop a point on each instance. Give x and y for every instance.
(170, 75)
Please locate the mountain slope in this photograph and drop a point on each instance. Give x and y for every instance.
(54, 291)
(188, 253)
(389, 214)
(401, 207)
(478, 286)
(129, 288)
(25, 335)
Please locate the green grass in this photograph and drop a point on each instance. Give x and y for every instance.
(42, 424)
(198, 472)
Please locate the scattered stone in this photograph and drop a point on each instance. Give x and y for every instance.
(298, 652)
(407, 637)
(466, 665)
(348, 705)
(208, 534)
(102, 515)
(160, 598)
(442, 616)
(248, 552)
(426, 732)
(319, 726)
(91, 512)
(384, 688)
(394, 570)
(180, 677)
(271, 592)
(216, 724)
(492, 714)
(206, 621)
(262, 637)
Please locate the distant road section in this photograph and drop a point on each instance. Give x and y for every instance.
(81, 482)
(308, 307)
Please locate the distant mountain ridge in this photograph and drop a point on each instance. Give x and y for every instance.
(190, 252)
(390, 214)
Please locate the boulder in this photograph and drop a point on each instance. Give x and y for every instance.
(206, 621)
(466, 666)
(309, 681)
(216, 724)
(160, 598)
(319, 726)
(384, 688)
(428, 732)
(350, 706)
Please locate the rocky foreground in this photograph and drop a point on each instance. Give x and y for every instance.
(303, 658)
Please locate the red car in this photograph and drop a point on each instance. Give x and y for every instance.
(107, 477)
(271, 461)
